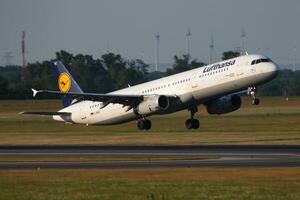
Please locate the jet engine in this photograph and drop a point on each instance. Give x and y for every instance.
(224, 105)
(153, 104)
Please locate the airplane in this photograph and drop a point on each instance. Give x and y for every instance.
(216, 86)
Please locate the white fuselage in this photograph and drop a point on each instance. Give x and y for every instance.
(200, 85)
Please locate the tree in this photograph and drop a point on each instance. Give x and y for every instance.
(137, 72)
(195, 64)
(116, 67)
(230, 54)
(140, 65)
(4, 87)
(182, 64)
(64, 56)
(112, 72)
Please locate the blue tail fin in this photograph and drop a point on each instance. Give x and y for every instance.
(65, 82)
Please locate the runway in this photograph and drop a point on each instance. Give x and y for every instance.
(210, 156)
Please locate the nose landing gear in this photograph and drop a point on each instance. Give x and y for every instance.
(252, 91)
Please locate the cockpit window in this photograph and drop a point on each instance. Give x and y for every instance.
(263, 60)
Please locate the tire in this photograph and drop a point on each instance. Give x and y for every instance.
(189, 124)
(147, 124)
(256, 101)
(141, 124)
(195, 124)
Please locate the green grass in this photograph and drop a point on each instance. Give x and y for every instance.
(140, 184)
(275, 121)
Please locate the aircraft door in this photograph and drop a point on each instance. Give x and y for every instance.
(83, 116)
(239, 70)
(194, 81)
(252, 68)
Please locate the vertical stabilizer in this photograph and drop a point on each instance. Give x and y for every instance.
(65, 82)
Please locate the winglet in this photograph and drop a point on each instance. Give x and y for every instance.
(34, 92)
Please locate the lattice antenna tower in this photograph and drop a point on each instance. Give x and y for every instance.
(23, 56)
(243, 37)
(294, 59)
(157, 41)
(211, 50)
(187, 42)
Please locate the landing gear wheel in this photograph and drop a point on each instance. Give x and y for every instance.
(144, 124)
(140, 124)
(189, 124)
(195, 123)
(255, 101)
(192, 124)
(147, 124)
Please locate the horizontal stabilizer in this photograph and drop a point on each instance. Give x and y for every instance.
(34, 92)
(45, 113)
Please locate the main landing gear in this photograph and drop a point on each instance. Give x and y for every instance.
(144, 124)
(252, 91)
(192, 123)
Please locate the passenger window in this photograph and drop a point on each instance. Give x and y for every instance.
(253, 62)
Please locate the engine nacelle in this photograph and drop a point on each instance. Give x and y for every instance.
(153, 104)
(224, 105)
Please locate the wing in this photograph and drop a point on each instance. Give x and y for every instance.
(45, 113)
(124, 99)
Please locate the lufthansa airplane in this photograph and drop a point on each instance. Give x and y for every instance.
(217, 86)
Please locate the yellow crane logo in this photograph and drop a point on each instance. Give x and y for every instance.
(64, 82)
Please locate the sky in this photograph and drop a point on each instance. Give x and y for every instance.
(128, 27)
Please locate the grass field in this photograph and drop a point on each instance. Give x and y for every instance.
(275, 121)
(155, 184)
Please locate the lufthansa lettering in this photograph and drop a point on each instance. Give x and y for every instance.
(218, 66)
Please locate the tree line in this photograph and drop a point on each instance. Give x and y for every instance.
(112, 72)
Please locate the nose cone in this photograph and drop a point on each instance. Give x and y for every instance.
(276, 68)
(273, 69)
